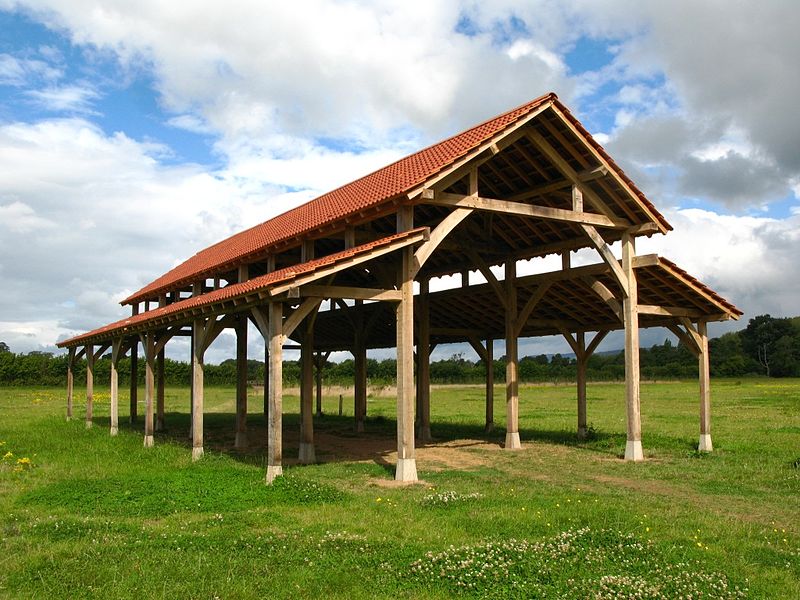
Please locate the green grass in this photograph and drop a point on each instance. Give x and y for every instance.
(96, 516)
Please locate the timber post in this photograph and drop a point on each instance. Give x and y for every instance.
(89, 384)
(406, 460)
(360, 384)
(116, 347)
(633, 446)
(134, 384)
(241, 383)
(512, 360)
(70, 381)
(581, 360)
(275, 426)
(306, 453)
(424, 365)
(160, 390)
(489, 426)
(149, 343)
(705, 444)
(198, 350)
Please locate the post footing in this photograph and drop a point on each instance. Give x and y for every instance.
(512, 441)
(705, 444)
(406, 469)
(633, 450)
(148, 441)
(273, 471)
(114, 430)
(197, 454)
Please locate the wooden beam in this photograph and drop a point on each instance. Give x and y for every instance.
(301, 312)
(608, 257)
(488, 275)
(406, 460)
(530, 305)
(668, 311)
(606, 295)
(134, 383)
(562, 165)
(349, 292)
(527, 210)
(160, 382)
(442, 230)
(307, 454)
(489, 362)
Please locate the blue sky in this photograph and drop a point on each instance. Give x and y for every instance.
(132, 136)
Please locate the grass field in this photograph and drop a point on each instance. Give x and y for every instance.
(84, 515)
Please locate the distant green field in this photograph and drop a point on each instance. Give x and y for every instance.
(85, 515)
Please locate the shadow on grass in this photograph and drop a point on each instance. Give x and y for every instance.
(337, 441)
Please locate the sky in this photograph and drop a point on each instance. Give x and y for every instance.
(133, 134)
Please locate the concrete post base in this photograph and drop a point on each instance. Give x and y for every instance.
(114, 430)
(148, 441)
(69, 417)
(512, 441)
(582, 433)
(406, 470)
(197, 454)
(241, 440)
(705, 443)
(633, 450)
(89, 424)
(273, 471)
(307, 455)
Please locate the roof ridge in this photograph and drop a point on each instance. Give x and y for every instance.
(378, 191)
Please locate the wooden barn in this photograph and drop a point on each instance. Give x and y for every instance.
(529, 183)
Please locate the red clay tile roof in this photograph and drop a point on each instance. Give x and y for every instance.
(238, 290)
(383, 184)
(702, 288)
(369, 191)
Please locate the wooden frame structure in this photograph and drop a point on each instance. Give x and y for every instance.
(526, 184)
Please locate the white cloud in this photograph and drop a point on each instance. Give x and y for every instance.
(67, 98)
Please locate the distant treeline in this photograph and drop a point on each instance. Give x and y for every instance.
(768, 346)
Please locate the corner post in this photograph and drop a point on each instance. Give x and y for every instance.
(705, 444)
(406, 460)
(70, 381)
(89, 385)
(512, 360)
(633, 446)
(275, 426)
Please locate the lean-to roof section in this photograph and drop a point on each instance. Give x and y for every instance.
(370, 192)
(240, 295)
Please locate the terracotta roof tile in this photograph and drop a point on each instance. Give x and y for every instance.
(371, 190)
(264, 282)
